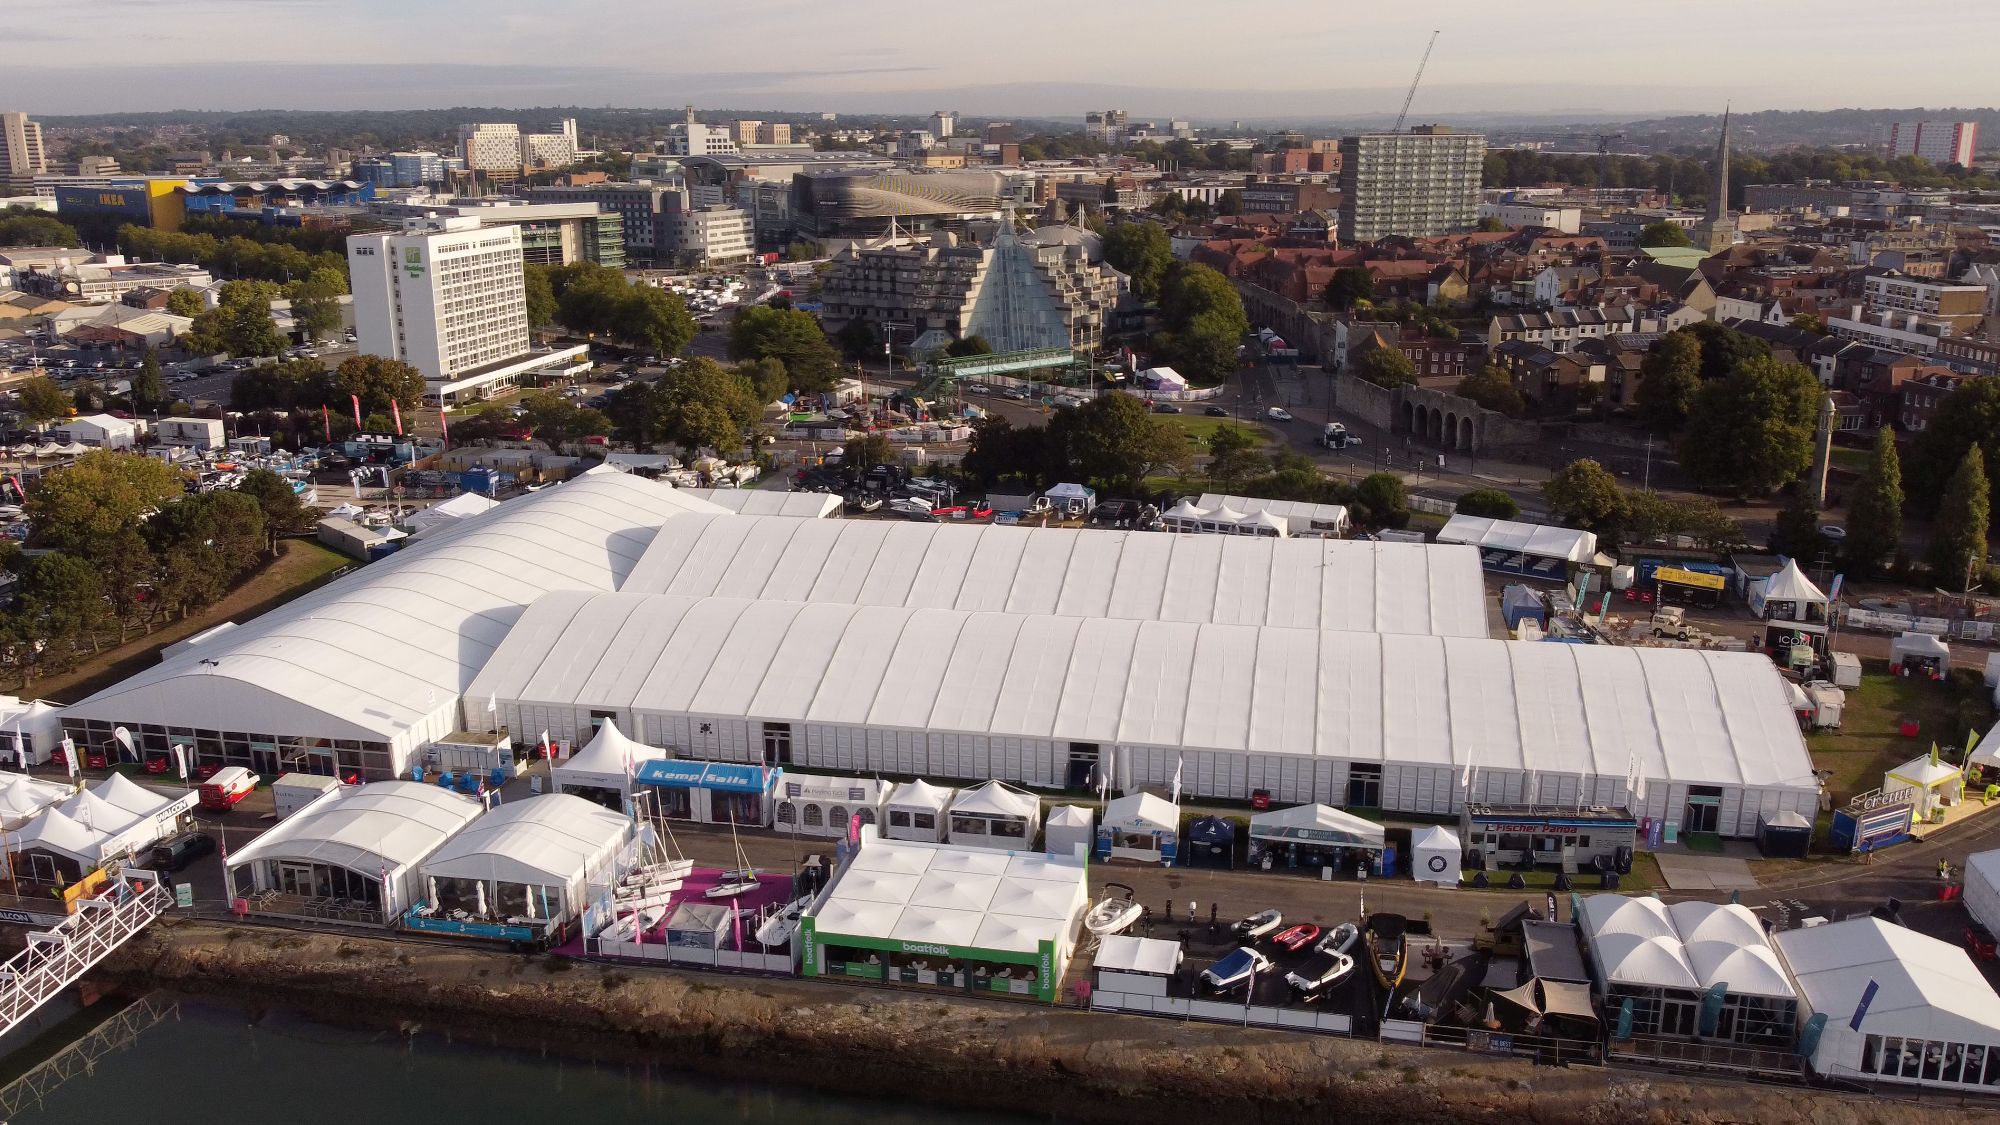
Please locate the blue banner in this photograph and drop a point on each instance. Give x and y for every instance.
(1861, 1009)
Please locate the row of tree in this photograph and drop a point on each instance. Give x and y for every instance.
(594, 300)
(22, 227)
(307, 384)
(236, 255)
(124, 547)
(1744, 421)
(1238, 465)
(1584, 494)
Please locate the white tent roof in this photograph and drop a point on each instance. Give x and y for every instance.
(1223, 513)
(1143, 812)
(1069, 816)
(54, 832)
(124, 793)
(1284, 509)
(1125, 953)
(1921, 771)
(608, 754)
(1356, 585)
(938, 894)
(768, 502)
(1165, 375)
(551, 841)
(22, 796)
(365, 828)
(1656, 962)
(1927, 989)
(1700, 717)
(465, 505)
(1728, 922)
(378, 652)
(97, 814)
(1919, 644)
(1185, 510)
(921, 795)
(1534, 539)
(1792, 585)
(997, 799)
(1608, 914)
(1748, 970)
(1301, 820)
(1437, 838)
(1987, 753)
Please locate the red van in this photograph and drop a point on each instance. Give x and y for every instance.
(226, 787)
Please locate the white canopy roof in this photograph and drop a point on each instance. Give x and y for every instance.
(1655, 962)
(97, 814)
(997, 799)
(1923, 772)
(1309, 822)
(1535, 539)
(1142, 812)
(769, 502)
(1702, 717)
(376, 653)
(1643, 917)
(124, 793)
(1728, 922)
(465, 505)
(366, 828)
(1357, 585)
(610, 757)
(1125, 953)
(23, 796)
(1185, 510)
(921, 795)
(1436, 838)
(1223, 513)
(1694, 945)
(1918, 644)
(946, 895)
(551, 841)
(1069, 816)
(1792, 585)
(1987, 753)
(1751, 970)
(1927, 989)
(54, 832)
(1302, 511)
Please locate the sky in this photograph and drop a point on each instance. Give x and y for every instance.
(1157, 58)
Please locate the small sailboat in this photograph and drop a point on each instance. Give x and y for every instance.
(783, 924)
(1113, 912)
(1388, 948)
(740, 879)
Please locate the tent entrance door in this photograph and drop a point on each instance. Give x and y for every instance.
(1084, 758)
(264, 759)
(295, 879)
(1704, 810)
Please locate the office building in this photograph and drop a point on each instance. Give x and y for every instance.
(773, 133)
(446, 295)
(22, 156)
(744, 132)
(1106, 125)
(547, 150)
(692, 138)
(1940, 142)
(708, 236)
(850, 206)
(552, 233)
(1420, 183)
(490, 147)
(943, 123)
(638, 206)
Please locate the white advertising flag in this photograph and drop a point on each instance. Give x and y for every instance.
(69, 755)
(180, 759)
(1177, 781)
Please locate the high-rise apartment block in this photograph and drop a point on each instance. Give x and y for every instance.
(22, 156)
(692, 138)
(774, 133)
(446, 296)
(1106, 125)
(1420, 183)
(944, 123)
(490, 147)
(1940, 142)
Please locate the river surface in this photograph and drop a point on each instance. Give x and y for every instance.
(217, 1065)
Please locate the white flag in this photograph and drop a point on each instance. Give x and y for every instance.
(547, 750)
(493, 704)
(180, 759)
(1177, 781)
(69, 755)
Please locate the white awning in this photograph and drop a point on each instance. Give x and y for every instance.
(1317, 824)
(552, 840)
(1537, 540)
(997, 799)
(1142, 812)
(1127, 954)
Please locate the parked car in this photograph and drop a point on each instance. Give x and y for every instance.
(1278, 414)
(1015, 393)
(1298, 937)
(1264, 923)
(1165, 408)
(1215, 412)
(978, 389)
(1238, 967)
(174, 854)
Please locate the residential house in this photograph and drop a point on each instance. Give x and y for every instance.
(1788, 344)
(1963, 354)
(1439, 363)
(1561, 329)
(1623, 357)
(1561, 285)
(1682, 284)
(1921, 395)
(1545, 376)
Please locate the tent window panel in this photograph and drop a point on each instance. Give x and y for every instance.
(923, 821)
(898, 818)
(814, 818)
(1871, 1053)
(787, 813)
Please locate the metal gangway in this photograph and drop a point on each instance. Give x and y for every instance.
(58, 956)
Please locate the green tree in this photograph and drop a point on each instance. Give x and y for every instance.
(149, 386)
(768, 379)
(379, 382)
(1752, 431)
(41, 400)
(1142, 251)
(1232, 457)
(284, 512)
(1664, 233)
(1203, 322)
(704, 406)
(1969, 416)
(60, 605)
(241, 327)
(83, 508)
(315, 310)
(789, 336)
(1724, 349)
(1491, 224)
(1584, 494)
(1958, 535)
(1348, 285)
(1114, 439)
(291, 384)
(1385, 367)
(541, 297)
(634, 413)
(556, 421)
(1795, 531)
(1491, 388)
(968, 346)
(1001, 451)
(34, 229)
(1386, 499)
(859, 342)
(1488, 502)
(1809, 322)
(1669, 379)
(1875, 508)
(653, 319)
(863, 452)
(186, 302)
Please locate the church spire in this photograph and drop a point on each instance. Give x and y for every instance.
(1720, 228)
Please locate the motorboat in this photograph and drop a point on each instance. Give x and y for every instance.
(1318, 973)
(1262, 924)
(912, 507)
(1235, 968)
(1340, 939)
(783, 924)
(1113, 912)
(1388, 948)
(1446, 988)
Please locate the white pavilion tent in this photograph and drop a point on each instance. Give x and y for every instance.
(916, 811)
(52, 848)
(1936, 784)
(1141, 826)
(1436, 856)
(1785, 596)
(359, 846)
(1069, 827)
(527, 862)
(22, 797)
(602, 771)
(996, 815)
(813, 805)
(448, 513)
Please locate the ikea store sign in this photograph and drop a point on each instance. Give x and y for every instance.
(125, 201)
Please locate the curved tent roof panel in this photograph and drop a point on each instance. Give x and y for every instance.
(1656, 962)
(1609, 914)
(1747, 970)
(385, 825)
(550, 840)
(1538, 540)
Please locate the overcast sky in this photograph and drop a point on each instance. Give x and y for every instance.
(1052, 57)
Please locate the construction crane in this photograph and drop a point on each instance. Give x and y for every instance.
(1412, 95)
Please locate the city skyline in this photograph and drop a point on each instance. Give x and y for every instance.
(866, 56)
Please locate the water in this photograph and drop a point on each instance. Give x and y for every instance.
(214, 1066)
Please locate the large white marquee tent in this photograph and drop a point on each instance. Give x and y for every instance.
(1428, 721)
(529, 859)
(362, 843)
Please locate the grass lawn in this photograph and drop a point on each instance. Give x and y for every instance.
(1853, 460)
(1868, 742)
(301, 565)
(1200, 427)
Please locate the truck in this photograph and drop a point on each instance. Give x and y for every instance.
(1333, 435)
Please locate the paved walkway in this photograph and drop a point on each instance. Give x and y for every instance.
(1684, 872)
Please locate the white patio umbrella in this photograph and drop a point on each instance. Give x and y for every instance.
(481, 894)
